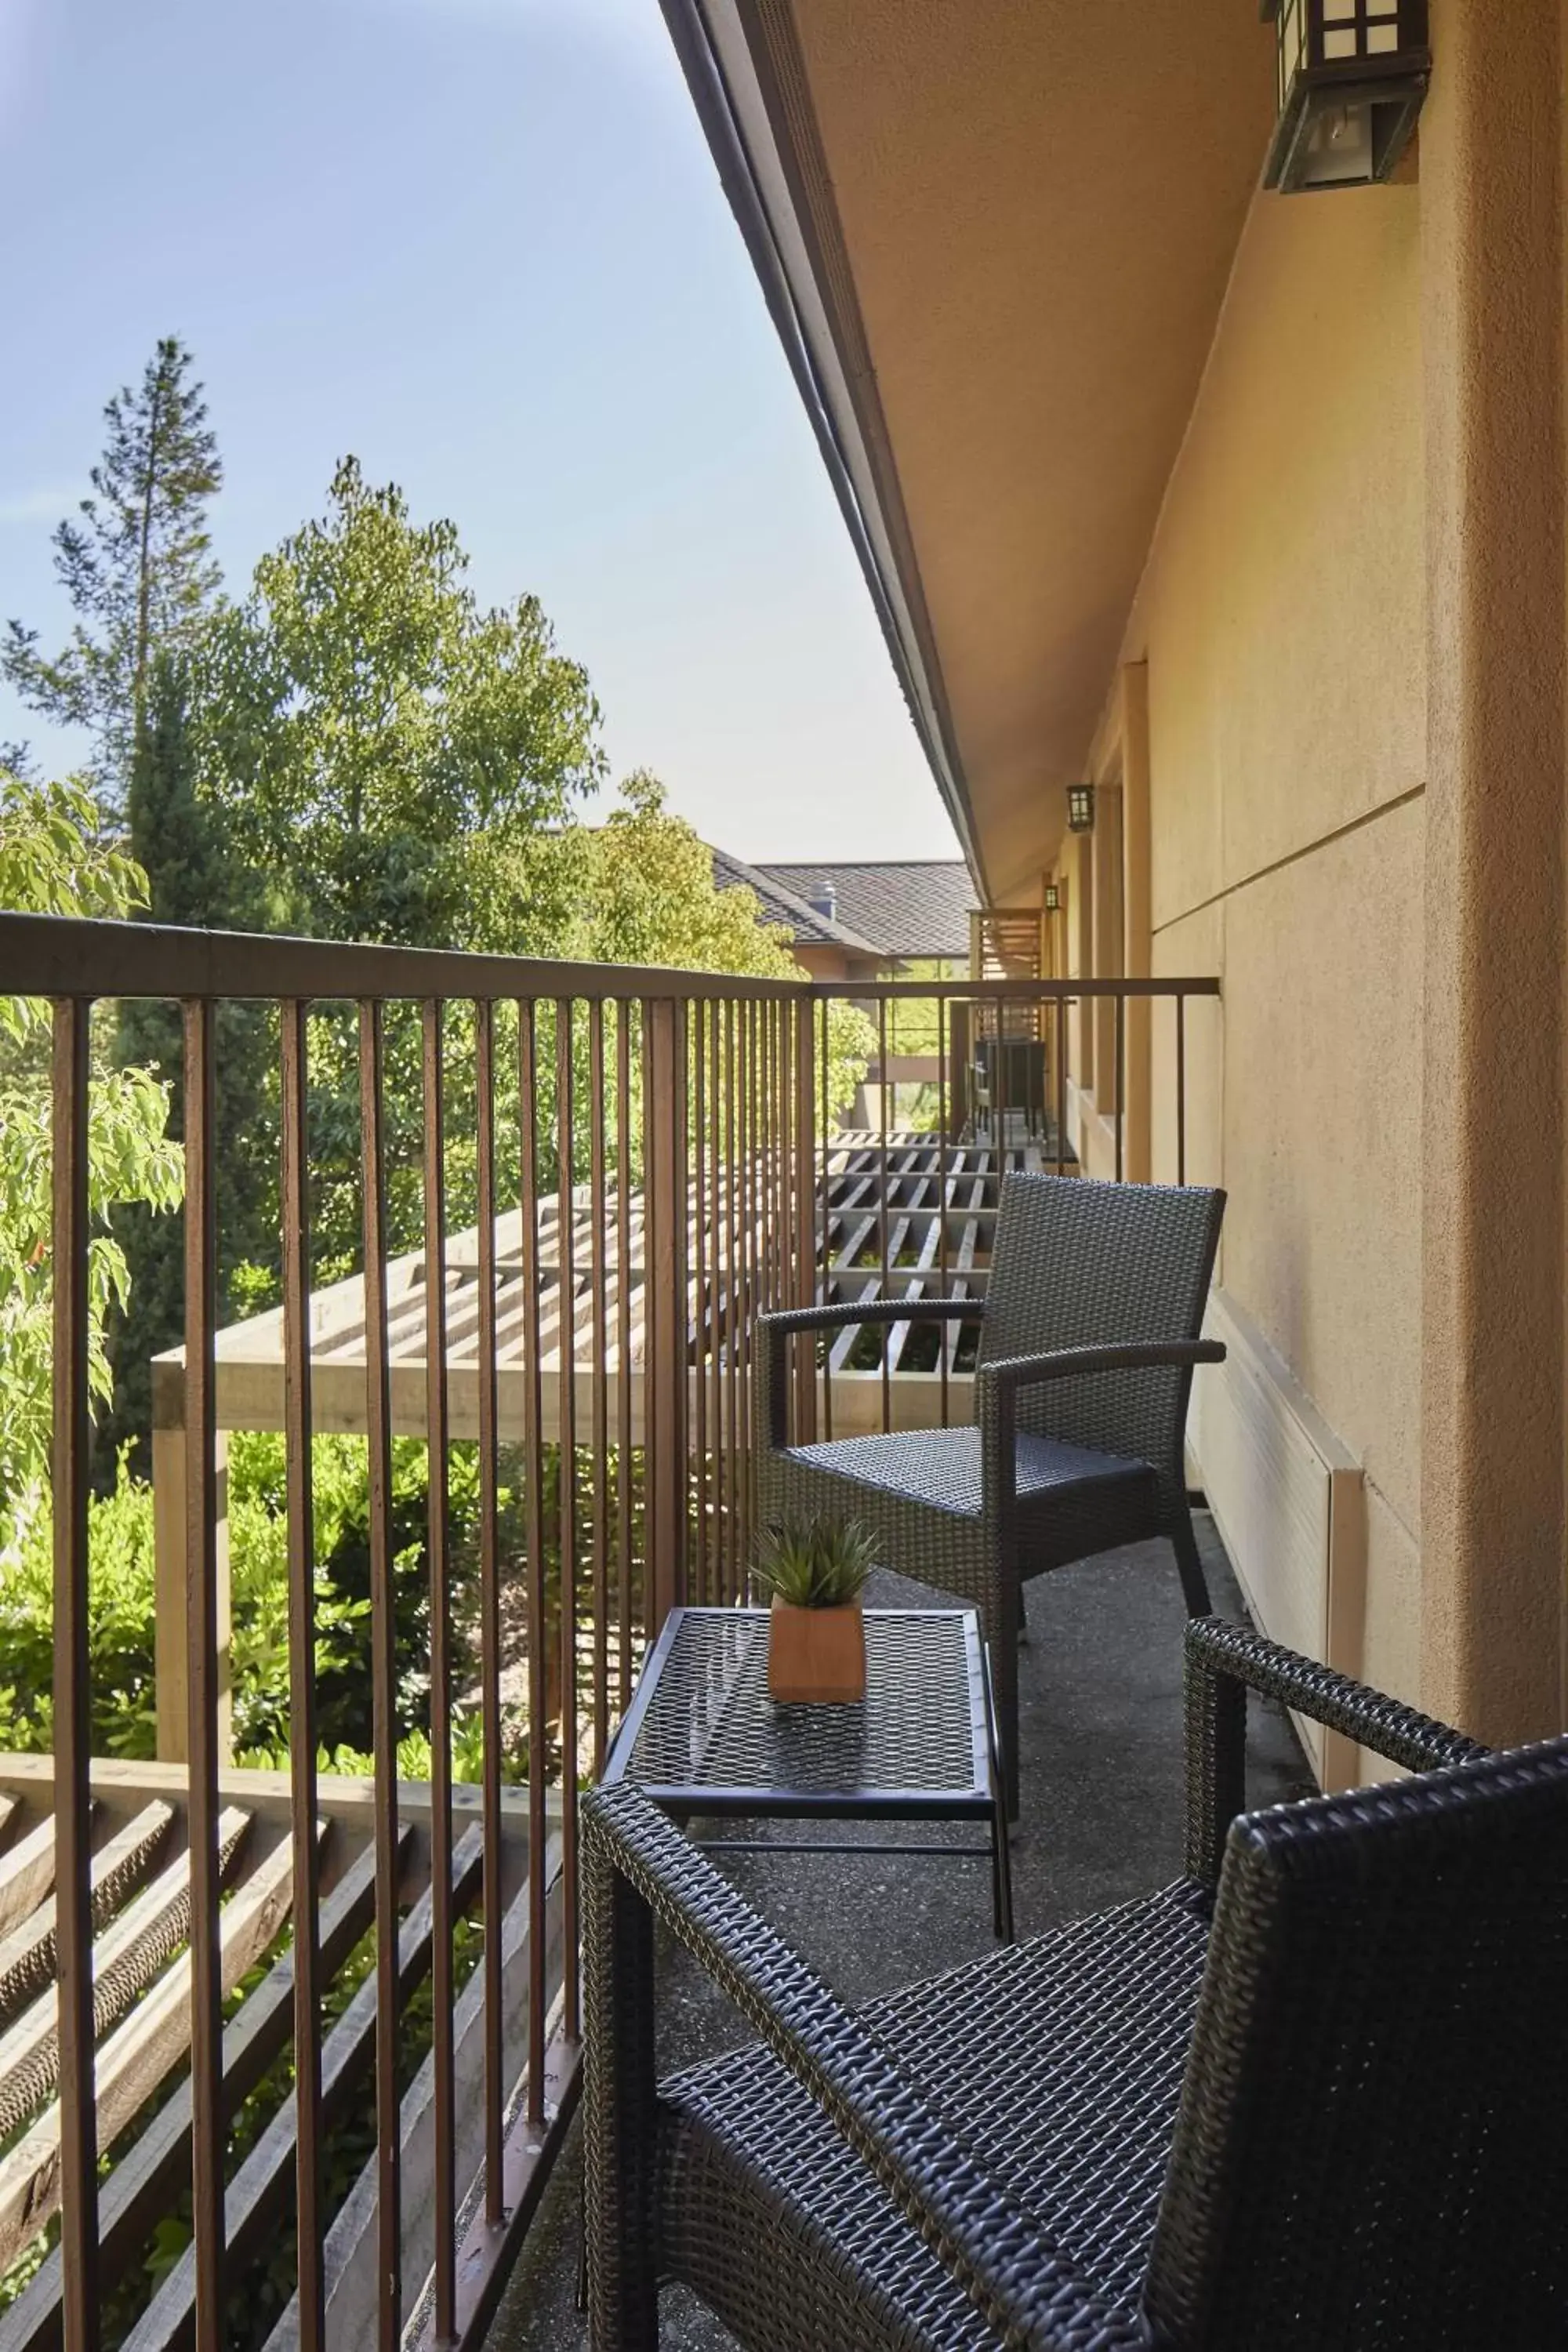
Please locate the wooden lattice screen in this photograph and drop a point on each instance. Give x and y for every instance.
(1007, 943)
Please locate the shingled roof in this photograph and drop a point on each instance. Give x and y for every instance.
(906, 907)
(806, 924)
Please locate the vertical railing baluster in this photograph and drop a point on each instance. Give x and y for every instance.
(598, 1406)
(533, 1448)
(384, 1679)
(805, 1201)
(764, 1089)
(565, 1149)
(882, 1220)
(309, 1980)
(1061, 1085)
(704, 1587)
(202, 1676)
(715, 1361)
(733, 1297)
(945, 1283)
(1117, 1049)
(746, 1305)
(72, 1684)
(439, 1476)
(624, 1348)
(825, 1212)
(1181, 1087)
(495, 2094)
(769, 1016)
(784, 1131)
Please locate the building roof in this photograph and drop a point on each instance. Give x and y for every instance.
(994, 241)
(782, 902)
(908, 907)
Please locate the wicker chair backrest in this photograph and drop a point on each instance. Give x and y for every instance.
(1372, 2145)
(1081, 1264)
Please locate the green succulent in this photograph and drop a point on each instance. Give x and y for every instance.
(815, 1563)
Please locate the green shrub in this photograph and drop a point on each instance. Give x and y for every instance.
(121, 1610)
(120, 1618)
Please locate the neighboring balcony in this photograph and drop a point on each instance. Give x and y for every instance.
(344, 2007)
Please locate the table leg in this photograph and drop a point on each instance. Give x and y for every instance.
(1001, 1851)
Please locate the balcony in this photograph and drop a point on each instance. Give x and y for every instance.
(342, 2010)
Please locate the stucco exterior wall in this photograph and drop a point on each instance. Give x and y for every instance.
(1282, 619)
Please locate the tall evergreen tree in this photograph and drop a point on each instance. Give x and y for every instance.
(194, 878)
(135, 563)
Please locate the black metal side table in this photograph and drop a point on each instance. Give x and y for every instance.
(703, 1738)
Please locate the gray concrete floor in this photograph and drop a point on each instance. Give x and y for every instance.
(1102, 1820)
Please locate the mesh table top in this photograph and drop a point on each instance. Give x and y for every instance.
(703, 1736)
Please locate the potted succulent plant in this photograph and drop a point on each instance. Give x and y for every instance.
(814, 1571)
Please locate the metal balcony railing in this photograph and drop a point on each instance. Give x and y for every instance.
(645, 1161)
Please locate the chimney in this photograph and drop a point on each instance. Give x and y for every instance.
(824, 901)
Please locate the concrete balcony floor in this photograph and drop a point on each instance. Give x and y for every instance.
(1102, 1821)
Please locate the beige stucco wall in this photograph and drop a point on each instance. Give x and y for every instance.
(1282, 618)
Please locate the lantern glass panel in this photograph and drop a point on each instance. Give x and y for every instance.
(1339, 148)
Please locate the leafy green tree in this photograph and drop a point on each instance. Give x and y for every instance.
(365, 722)
(648, 896)
(374, 741)
(136, 564)
(639, 889)
(53, 862)
(192, 878)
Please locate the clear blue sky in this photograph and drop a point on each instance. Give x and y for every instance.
(480, 244)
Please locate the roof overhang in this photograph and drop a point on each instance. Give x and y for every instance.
(995, 239)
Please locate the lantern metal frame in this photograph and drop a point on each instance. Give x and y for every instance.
(1361, 64)
(1081, 808)
(1052, 898)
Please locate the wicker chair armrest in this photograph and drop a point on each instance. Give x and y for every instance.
(989, 2242)
(773, 1332)
(1226, 1660)
(1123, 1355)
(997, 1383)
(785, 1319)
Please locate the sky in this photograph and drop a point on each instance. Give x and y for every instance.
(480, 244)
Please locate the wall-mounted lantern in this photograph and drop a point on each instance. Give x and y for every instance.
(1352, 74)
(1052, 898)
(1081, 808)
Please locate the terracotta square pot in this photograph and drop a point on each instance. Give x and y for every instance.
(815, 1656)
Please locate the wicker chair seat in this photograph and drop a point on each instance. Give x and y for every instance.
(941, 1469)
(920, 1492)
(1064, 2057)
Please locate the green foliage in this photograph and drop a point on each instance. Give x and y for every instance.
(51, 862)
(135, 565)
(639, 889)
(122, 1610)
(121, 1617)
(192, 879)
(815, 1563)
(340, 1492)
(364, 723)
(643, 892)
(54, 861)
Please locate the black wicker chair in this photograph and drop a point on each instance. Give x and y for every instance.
(1090, 1333)
(1311, 2098)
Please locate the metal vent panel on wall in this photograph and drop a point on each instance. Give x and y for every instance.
(1288, 1500)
